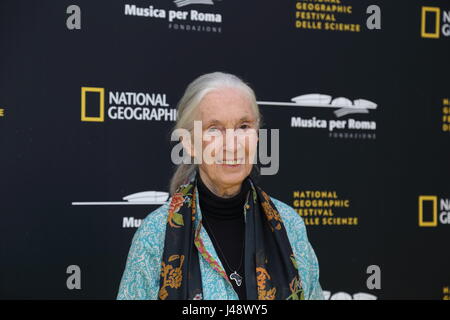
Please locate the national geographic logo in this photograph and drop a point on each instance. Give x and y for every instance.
(435, 23)
(428, 211)
(100, 117)
(124, 106)
(446, 293)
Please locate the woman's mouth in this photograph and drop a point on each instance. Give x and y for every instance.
(231, 163)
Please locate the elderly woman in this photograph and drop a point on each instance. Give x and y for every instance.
(219, 235)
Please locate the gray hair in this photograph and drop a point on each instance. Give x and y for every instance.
(187, 111)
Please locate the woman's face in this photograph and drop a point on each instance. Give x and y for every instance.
(219, 110)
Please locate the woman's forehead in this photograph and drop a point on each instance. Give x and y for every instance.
(226, 105)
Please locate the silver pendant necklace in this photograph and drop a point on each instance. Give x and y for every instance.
(234, 275)
(237, 278)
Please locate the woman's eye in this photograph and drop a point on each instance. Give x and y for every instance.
(244, 126)
(212, 129)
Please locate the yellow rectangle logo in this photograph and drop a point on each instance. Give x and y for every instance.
(432, 223)
(101, 117)
(436, 33)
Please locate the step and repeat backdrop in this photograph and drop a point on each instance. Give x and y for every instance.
(360, 91)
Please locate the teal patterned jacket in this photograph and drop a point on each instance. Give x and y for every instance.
(140, 280)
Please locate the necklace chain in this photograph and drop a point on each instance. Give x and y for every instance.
(217, 242)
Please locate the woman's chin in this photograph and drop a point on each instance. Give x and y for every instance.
(233, 175)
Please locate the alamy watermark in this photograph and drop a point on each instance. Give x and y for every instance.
(227, 146)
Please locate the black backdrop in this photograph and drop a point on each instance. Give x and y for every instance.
(53, 164)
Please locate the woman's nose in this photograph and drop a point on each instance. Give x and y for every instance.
(231, 142)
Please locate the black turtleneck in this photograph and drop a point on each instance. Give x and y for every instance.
(226, 227)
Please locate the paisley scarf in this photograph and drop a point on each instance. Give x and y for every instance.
(271, 270)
